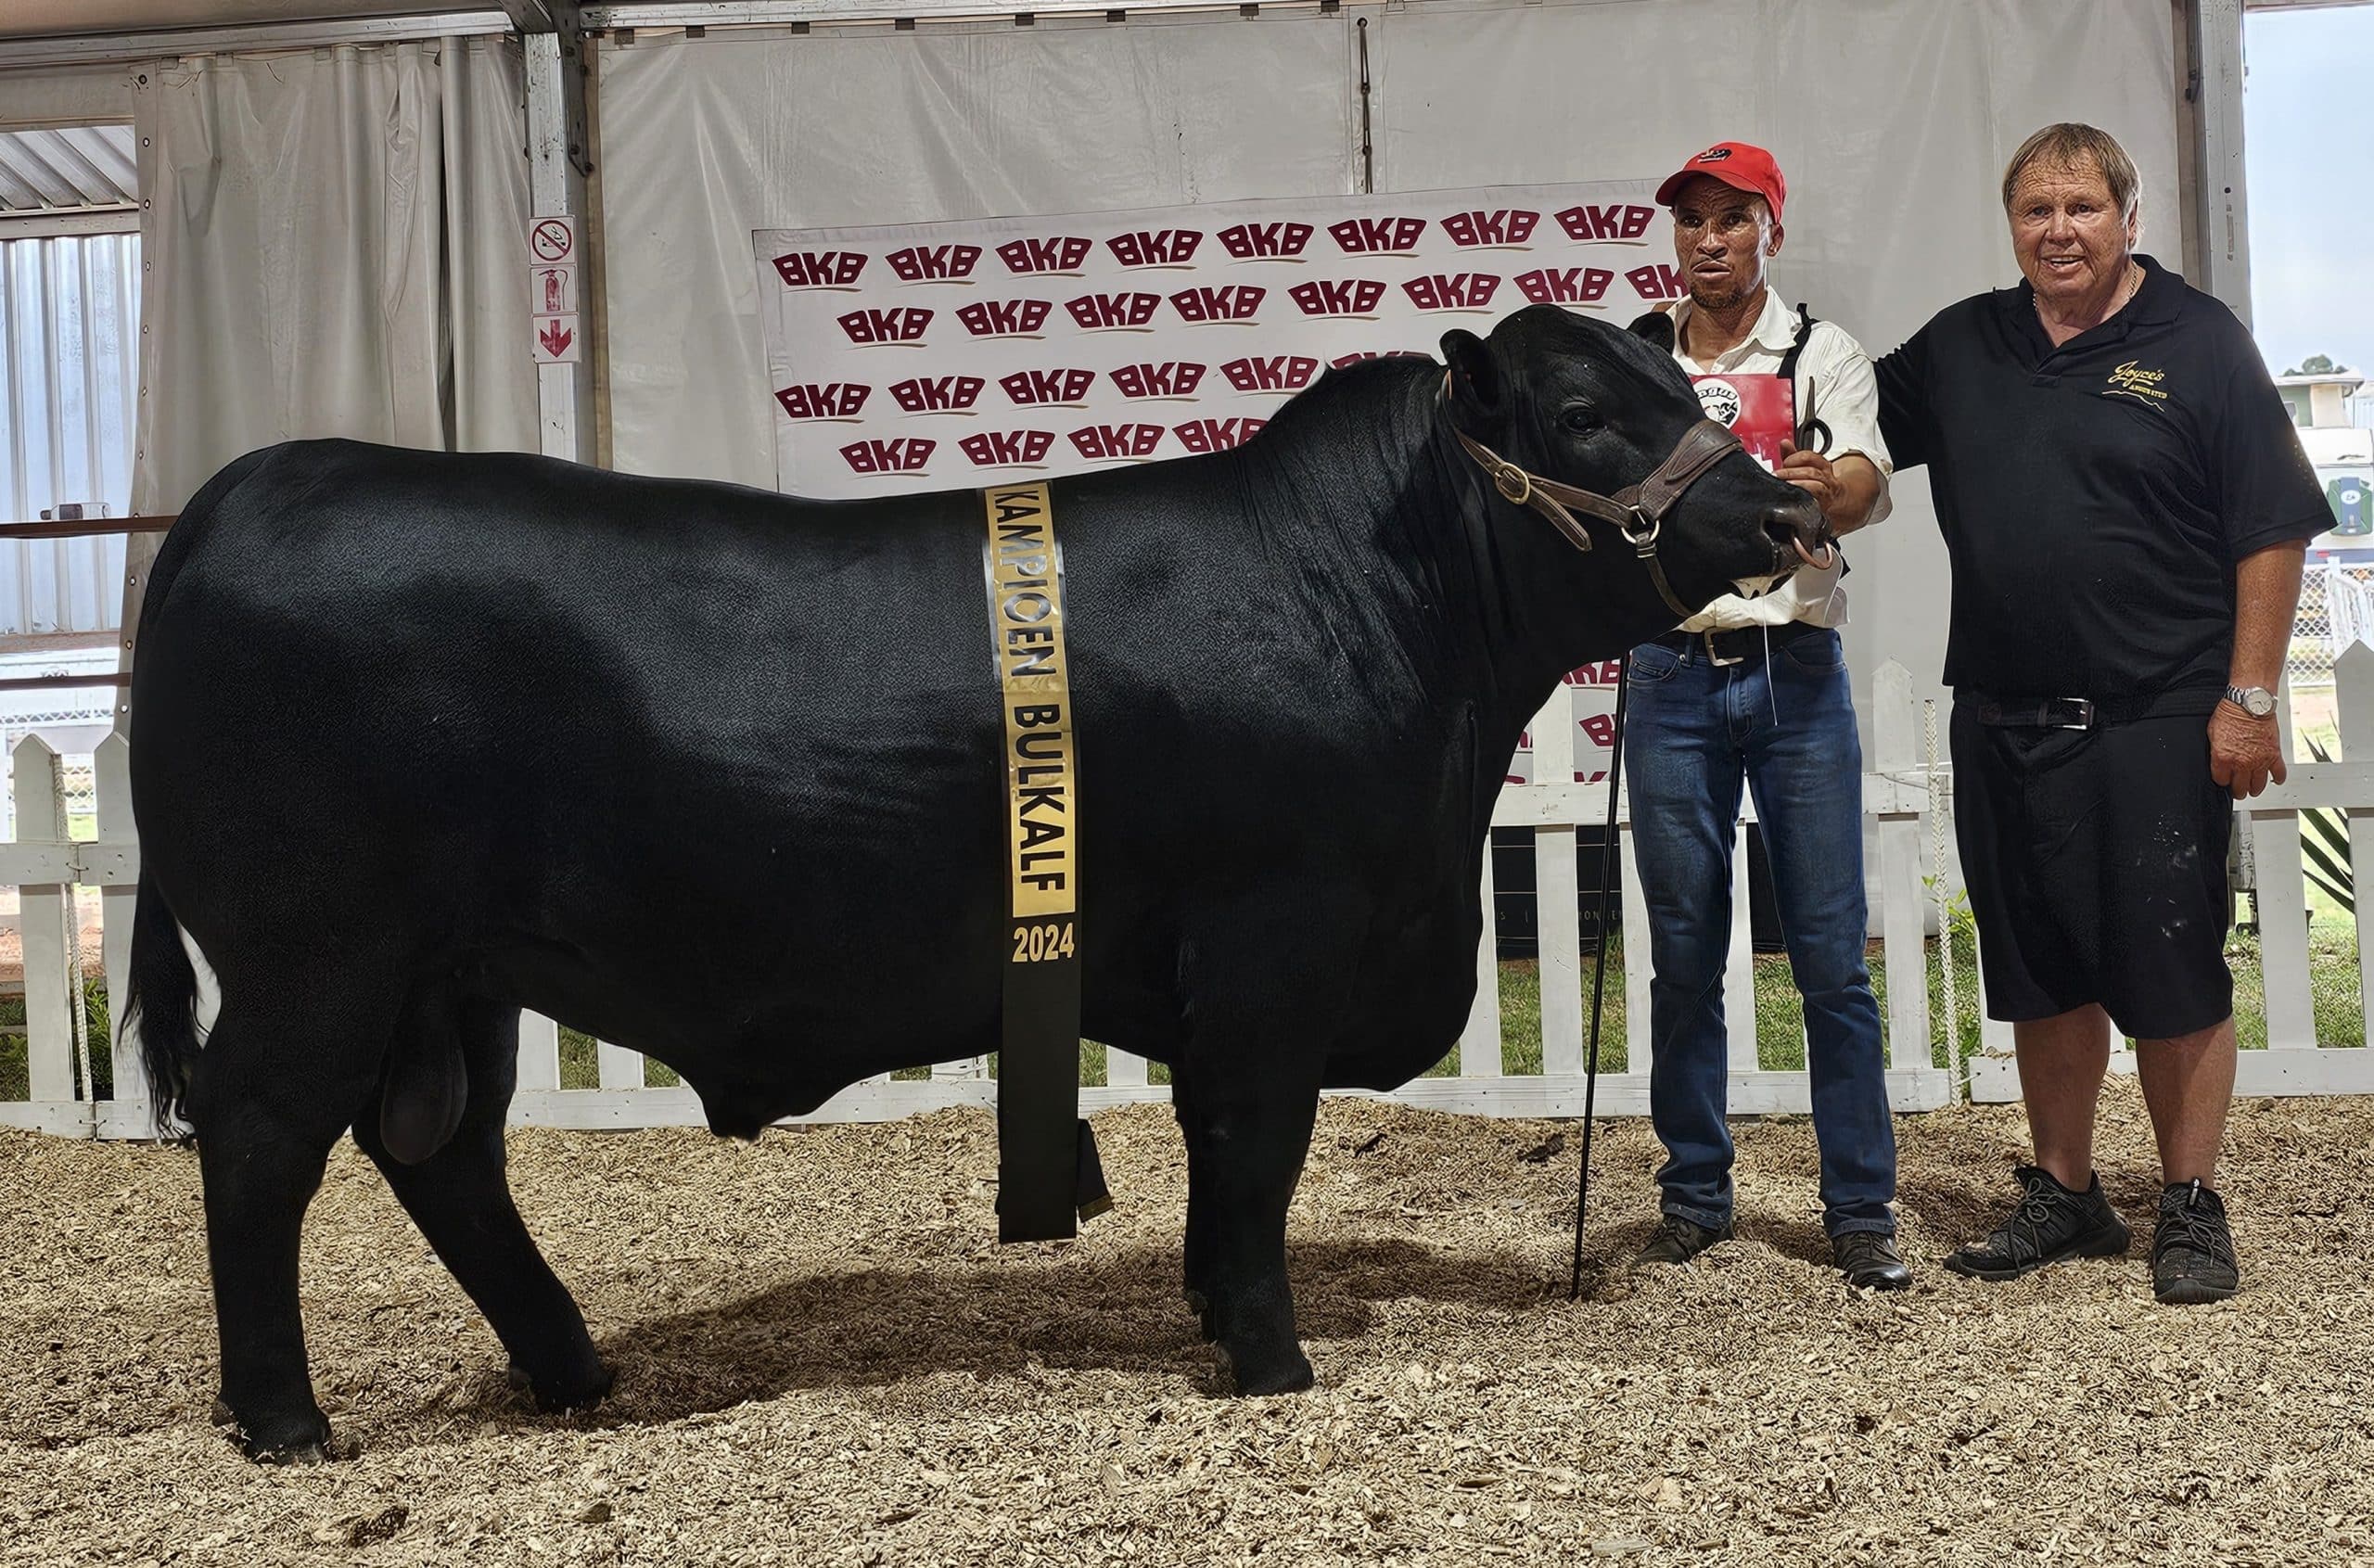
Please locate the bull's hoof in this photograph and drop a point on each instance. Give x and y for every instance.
(566, 1392)
(1255, 1374)
(303, 1438)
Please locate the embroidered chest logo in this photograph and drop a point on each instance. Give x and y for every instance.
(2131, 380)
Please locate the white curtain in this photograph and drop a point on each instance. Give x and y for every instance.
(335, 247)
(704, 140)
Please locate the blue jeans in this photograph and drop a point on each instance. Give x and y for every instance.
(1693, 731)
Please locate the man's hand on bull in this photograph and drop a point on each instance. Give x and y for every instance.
(2245, 754)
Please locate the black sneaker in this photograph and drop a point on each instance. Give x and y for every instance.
(1678, 1241)
(2192, 1252)
(2052, 1223)
(1869, 1260)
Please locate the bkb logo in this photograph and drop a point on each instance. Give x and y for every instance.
(1005, 318)
(1099, 442)
(1097, 312)
(1565, 285)
(933, 263)
(1278, 372)
(904, 454)
(999, 449)
(938, 394)
(1170, 381)
(1031, 388)
(1338, 296)
(901, 326)
(1063, 253)
(1606, 223)
(1452, 291)
(1469, 230)
(1657, 282)
(1368, 236)
(1165, 247)
(828, 269)
(1340, 361)
(1248, 242)
(834, 400)
(1217, 435)
(1237, 302)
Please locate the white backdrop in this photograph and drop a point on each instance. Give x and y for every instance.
(1893, 118)
(704, 140)
(980, 351)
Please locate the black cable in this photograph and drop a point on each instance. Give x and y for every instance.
(1607, 863)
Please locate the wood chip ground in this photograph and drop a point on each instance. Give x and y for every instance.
(823, 1359)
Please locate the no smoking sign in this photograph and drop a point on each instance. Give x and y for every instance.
(552, 240)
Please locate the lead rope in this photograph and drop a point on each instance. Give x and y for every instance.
(1599, 971)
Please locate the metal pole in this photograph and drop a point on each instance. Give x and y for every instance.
(1599, 971)
(2220, 208)
(559, 157)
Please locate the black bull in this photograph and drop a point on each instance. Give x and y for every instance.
(421, 740)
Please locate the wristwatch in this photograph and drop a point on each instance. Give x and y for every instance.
(2257, 701)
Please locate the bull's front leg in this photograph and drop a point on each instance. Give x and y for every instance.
(1247, 1122)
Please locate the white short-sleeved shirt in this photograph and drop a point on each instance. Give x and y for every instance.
(1847, 400)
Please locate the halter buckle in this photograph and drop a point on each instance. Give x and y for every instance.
(1513, 483)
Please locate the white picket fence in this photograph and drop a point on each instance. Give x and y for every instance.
(45, 865)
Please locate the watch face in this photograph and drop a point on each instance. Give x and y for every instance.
(2258, 702)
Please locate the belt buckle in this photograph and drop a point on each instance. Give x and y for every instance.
(1714, 658)
(2083, 707)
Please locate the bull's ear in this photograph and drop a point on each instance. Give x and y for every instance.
(1656, 326)
(1474, 374)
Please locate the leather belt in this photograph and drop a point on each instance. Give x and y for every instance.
(2058, 713)
(1737, 643)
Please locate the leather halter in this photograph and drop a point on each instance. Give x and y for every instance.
(1638, 510)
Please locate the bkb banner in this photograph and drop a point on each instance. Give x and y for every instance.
(937, 356)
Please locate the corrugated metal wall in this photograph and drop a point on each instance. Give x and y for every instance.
(69, 314)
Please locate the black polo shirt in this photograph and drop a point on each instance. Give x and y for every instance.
(2095, 497)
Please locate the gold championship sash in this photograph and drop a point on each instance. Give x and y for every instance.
(1047, 1169)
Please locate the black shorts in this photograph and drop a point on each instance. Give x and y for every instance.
(2096, 862)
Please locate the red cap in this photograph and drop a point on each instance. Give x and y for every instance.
(1736, 164)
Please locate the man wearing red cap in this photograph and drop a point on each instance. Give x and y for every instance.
(1757, 690)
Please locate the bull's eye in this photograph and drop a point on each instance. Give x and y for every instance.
(1578, 419)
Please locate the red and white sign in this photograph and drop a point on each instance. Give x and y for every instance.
(557, 340)
(552, 239)
(1760, 410)
(552, 290)
(934, 356)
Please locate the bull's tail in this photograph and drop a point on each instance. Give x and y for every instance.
(164, 1001)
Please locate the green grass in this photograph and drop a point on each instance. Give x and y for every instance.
(14, 1083)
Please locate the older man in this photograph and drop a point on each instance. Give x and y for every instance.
(1757, 690)
(2126, 509)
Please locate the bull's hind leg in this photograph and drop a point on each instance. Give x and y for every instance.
(269, 1095)
(1197, 1253)
(461, 1199)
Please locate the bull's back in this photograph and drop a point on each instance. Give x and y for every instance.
(545, 693)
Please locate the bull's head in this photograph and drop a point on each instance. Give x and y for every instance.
(1641, 486)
